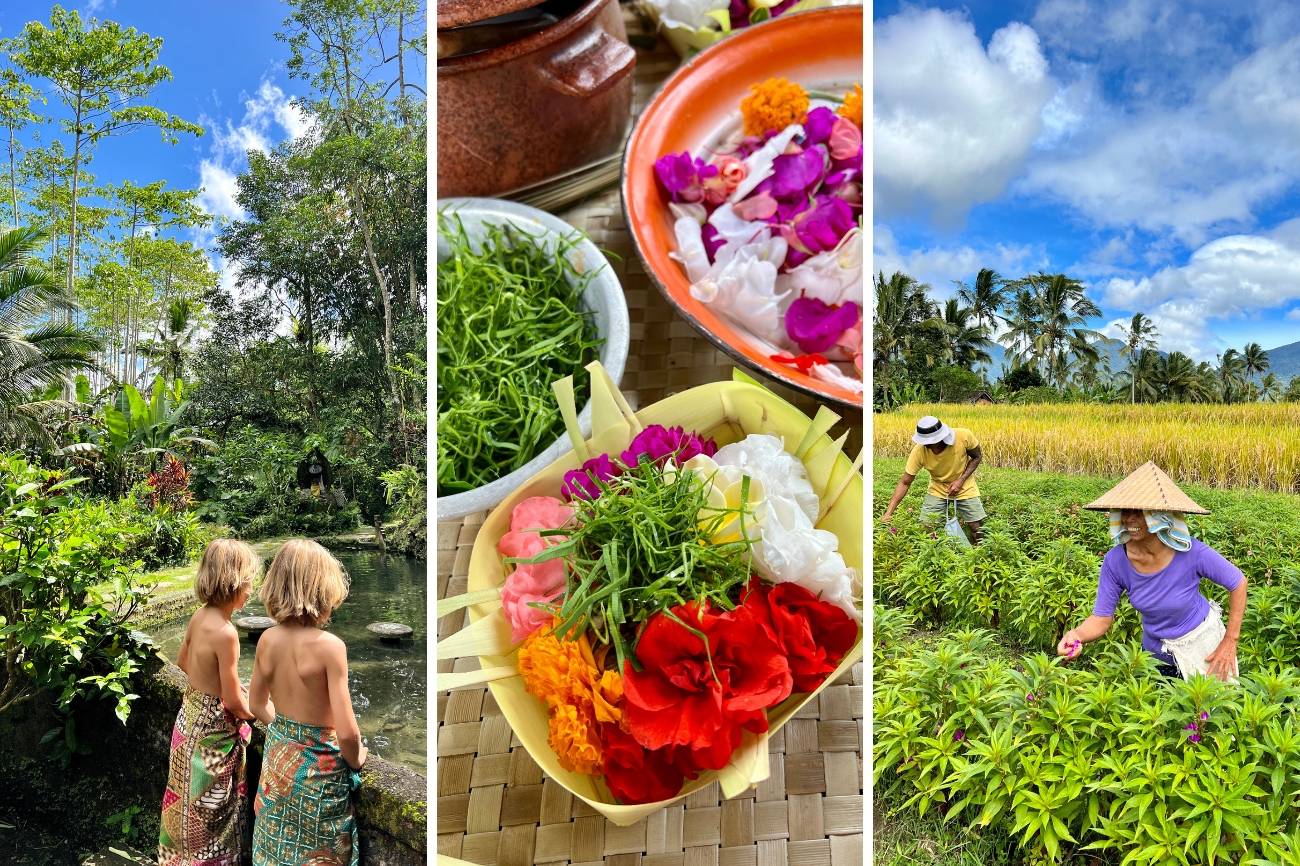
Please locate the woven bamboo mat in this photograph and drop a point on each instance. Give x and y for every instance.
(495, 805)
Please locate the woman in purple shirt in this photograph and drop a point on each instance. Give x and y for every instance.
(1160, 566)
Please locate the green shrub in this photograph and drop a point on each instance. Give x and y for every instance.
(1070, 760)
(56, 629)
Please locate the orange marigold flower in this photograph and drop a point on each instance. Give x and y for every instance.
(563, 673)
(852, 107)
(774, 104)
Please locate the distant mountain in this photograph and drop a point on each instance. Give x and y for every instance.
(1284, 361)
(1111, 350)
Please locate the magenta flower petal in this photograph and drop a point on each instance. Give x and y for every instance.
(819, 125)
(712, 241)
(795, 175)
(815, 327)
(817, 228)
(581, 483)
(683, 176)
(661, 443)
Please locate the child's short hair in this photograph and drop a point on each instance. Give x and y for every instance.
(305, 584)
(226, 567)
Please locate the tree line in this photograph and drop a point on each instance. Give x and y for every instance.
(927, 349)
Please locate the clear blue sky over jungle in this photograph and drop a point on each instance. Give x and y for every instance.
(228, 76)
(1151, 149)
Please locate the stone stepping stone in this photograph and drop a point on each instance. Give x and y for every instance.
(254, 625)
(390, 632)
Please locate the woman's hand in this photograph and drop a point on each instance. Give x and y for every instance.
(1071, 644)
(1222, 663)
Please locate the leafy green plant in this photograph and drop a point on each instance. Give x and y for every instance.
(57, 631)
(1071, 760)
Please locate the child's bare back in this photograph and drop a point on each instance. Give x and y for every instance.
(303, 666)
(209, 655)
(301, 672)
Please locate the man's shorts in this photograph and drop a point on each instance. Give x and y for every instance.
(968, 510)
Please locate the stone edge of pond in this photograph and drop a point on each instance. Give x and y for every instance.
(392, 804)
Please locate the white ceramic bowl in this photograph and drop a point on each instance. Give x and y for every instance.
(603, 296)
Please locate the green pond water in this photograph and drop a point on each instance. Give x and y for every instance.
(389, 684)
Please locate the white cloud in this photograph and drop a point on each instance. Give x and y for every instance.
(952, 123)
(1229, 278)
(219, 190)
(939, 266)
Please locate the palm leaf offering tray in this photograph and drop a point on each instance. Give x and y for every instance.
(653, 606)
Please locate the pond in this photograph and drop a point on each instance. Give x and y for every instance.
(389, 684)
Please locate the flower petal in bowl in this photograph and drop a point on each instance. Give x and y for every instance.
(696, 109)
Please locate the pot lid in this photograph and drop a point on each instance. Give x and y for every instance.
(456, 13)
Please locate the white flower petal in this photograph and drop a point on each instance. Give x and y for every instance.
(758, 165)
(690, 246)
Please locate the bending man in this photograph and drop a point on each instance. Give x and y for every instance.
(951, 456)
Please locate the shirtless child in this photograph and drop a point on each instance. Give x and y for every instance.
(313, 744)
(204, 806)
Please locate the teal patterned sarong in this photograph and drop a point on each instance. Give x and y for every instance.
(304, 800)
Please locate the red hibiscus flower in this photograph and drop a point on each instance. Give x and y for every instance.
(679, 701)
(814, 635)
(634, 774)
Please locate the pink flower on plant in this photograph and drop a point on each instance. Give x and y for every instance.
(816, 327)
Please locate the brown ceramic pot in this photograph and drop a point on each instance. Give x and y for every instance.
(537, 107)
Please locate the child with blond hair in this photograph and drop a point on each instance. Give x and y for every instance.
(204, 806)
(313, 745)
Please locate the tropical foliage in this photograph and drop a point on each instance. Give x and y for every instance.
(1050, 353)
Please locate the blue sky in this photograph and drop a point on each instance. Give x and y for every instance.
(229, 77)
(1151, 149)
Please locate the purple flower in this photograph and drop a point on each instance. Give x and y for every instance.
(739, 11)
(1190, 727)
(818, 125)
(959, 736)
(1031, 697)
(815, 327)
(1194, 738)
(794, 175)
(813, 229)
(684, 176)
(662, 442)
(893, 529)
(712, 241)
(1205, 716)
(581, 483)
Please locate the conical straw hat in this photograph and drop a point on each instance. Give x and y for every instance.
(1148, 488)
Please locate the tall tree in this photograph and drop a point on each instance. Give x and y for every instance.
(1255, 360)
(965, 340)
(103, 73)
(16, 98)
(986, 298)
(1139, 335)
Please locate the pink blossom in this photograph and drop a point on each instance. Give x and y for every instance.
(732, 171)
(535, 583)
(845, 139)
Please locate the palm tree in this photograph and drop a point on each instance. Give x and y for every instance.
(1178, 379)
(1255, 360)
(36, 351)
(1023, 328)
(1138, 336)
(985, 300)
(890, 322)
(1231, 374)
(170, 347)
(1146, 376)
(1270, 387)
(966, 344)
(1064, 311)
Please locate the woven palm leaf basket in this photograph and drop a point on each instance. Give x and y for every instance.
(727, 412)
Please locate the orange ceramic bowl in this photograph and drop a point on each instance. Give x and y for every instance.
(698, 107)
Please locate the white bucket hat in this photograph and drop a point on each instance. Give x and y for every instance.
(930, 430)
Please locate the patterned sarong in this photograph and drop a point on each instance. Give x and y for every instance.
(304, 801)
(203, 816)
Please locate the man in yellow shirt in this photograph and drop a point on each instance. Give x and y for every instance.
(950, 455)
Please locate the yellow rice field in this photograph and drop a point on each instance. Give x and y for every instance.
(1255, 445)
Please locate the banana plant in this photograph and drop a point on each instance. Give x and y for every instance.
(132, 428)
